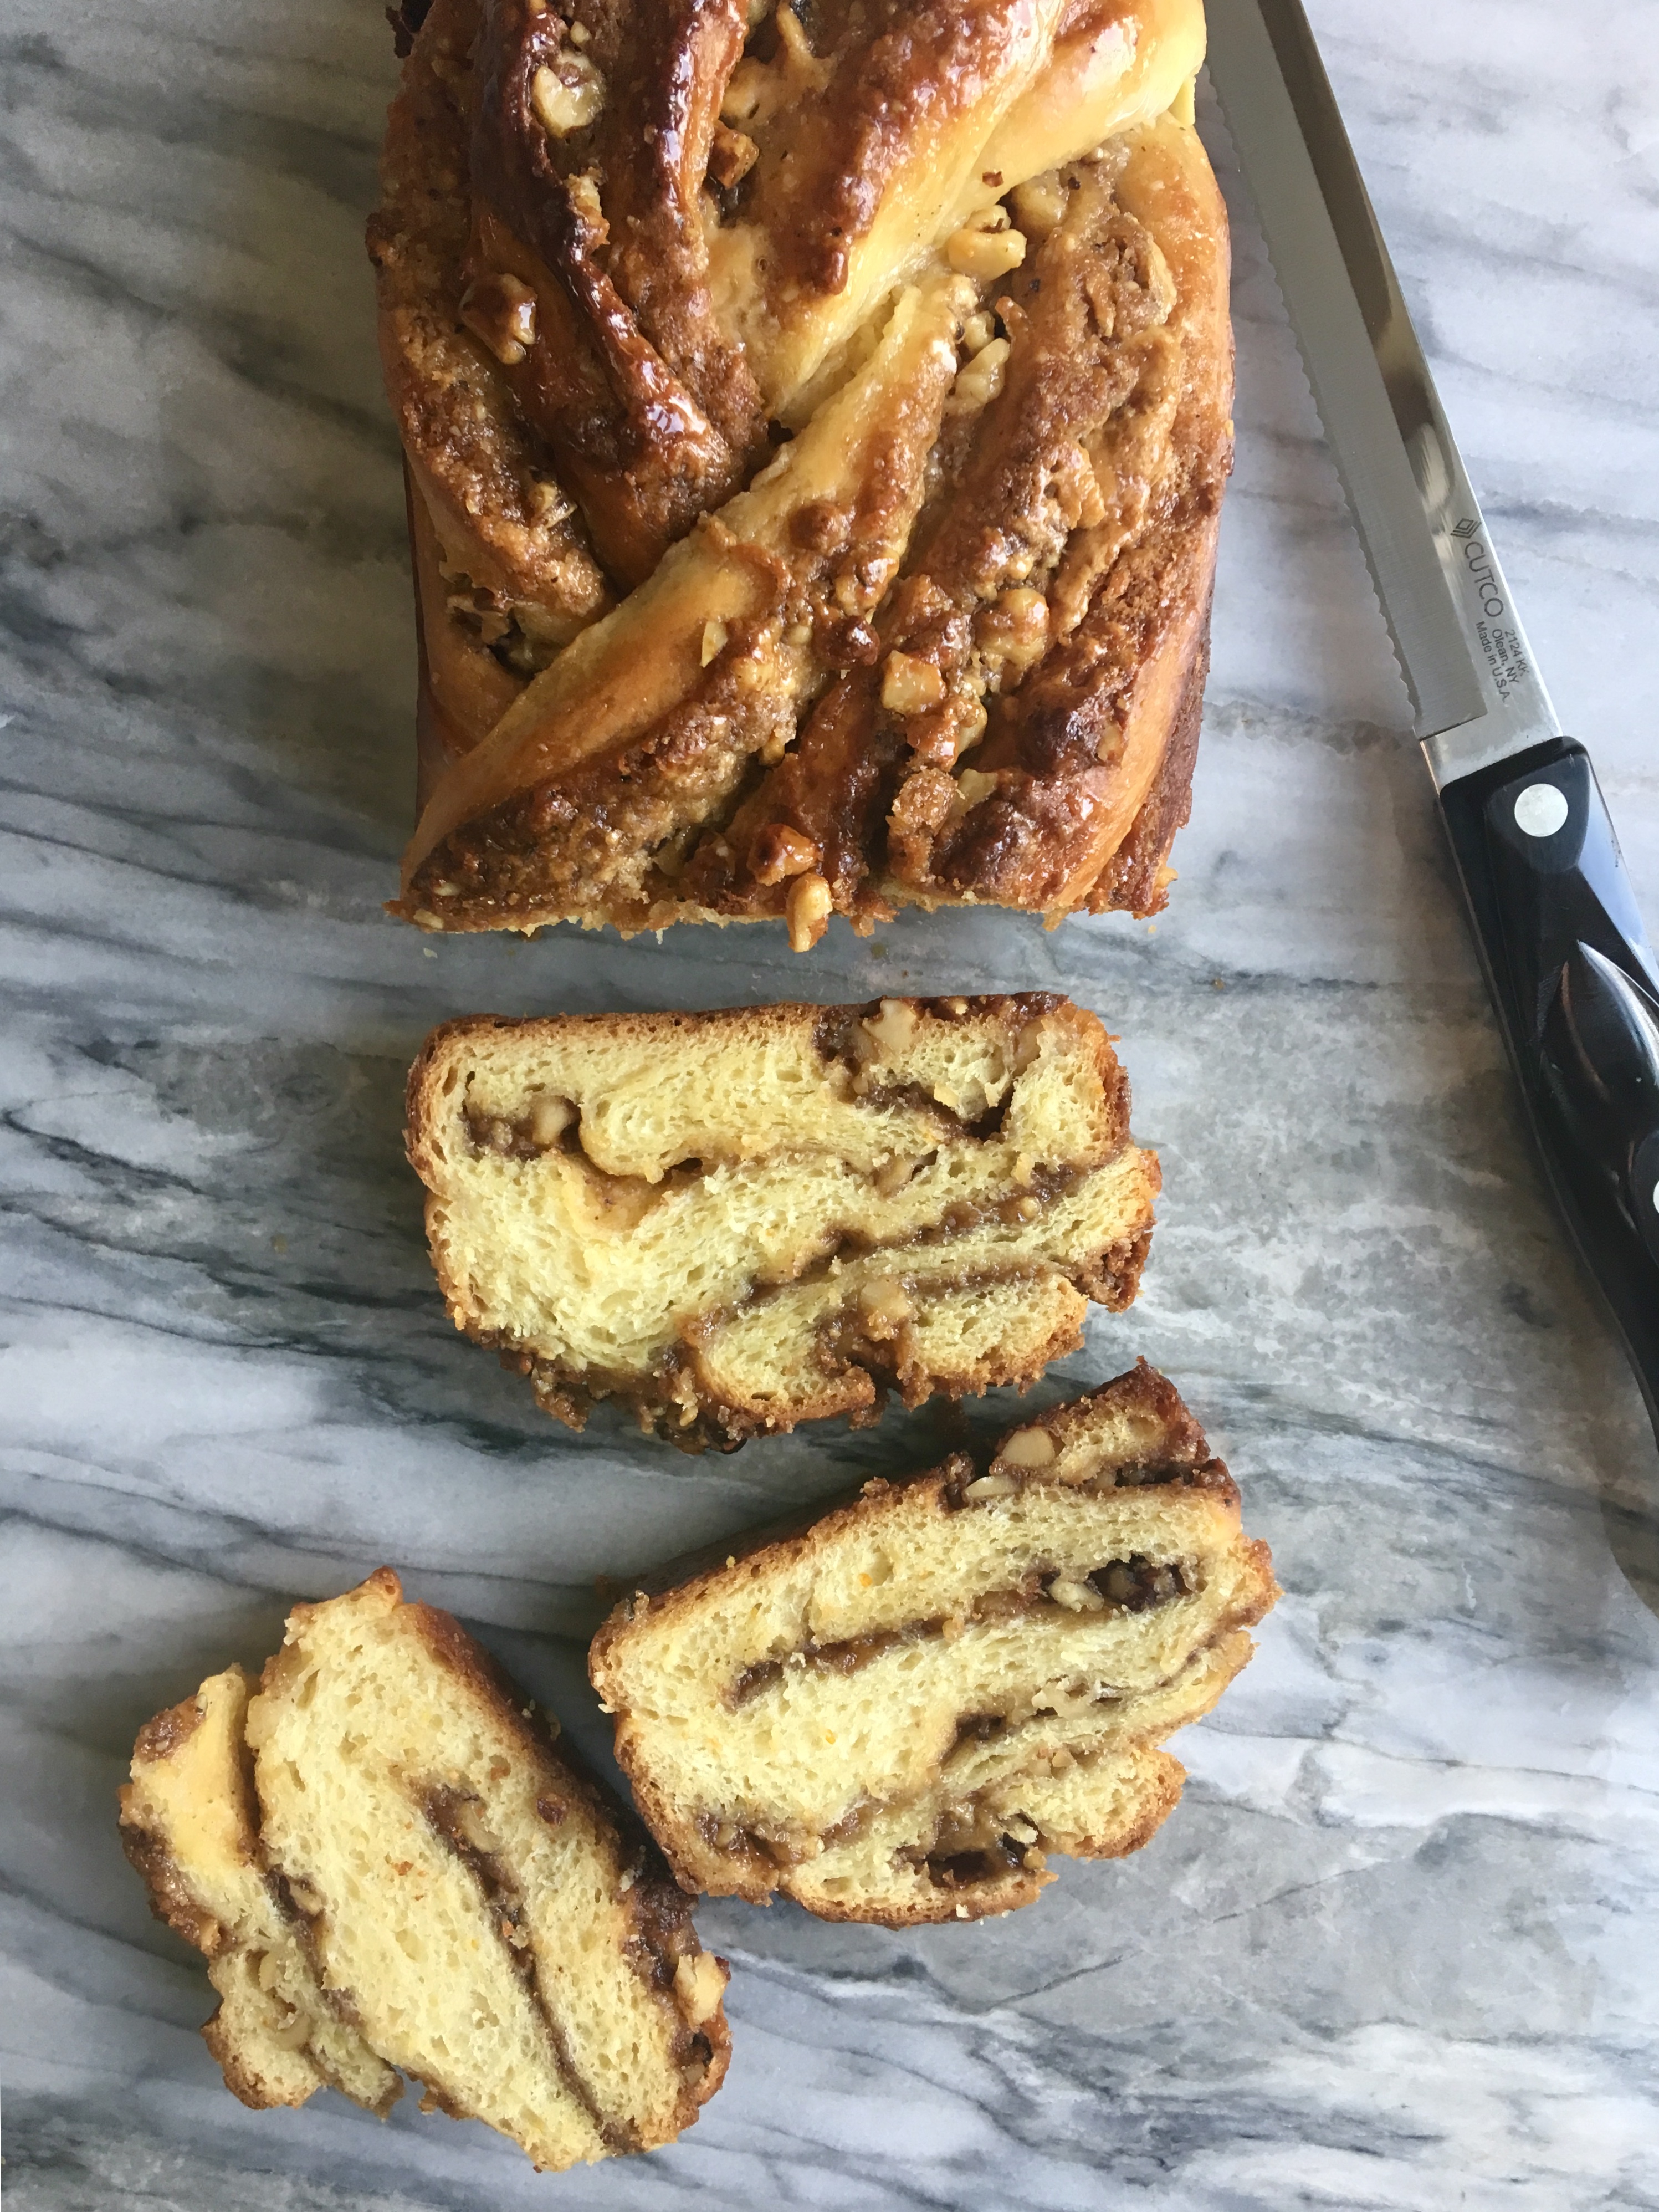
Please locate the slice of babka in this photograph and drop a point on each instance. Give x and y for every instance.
(896, 1714)
(392, 1868)
(742, 1220)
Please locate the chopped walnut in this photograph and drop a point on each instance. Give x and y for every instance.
(699, 1985)
(1013, 632)
(585, 200)
(883, 1307)
(1076, 1596)
(730, 156)
(910, 686)
(549, 1117)
(893, 1029)
(549, 502)
(982, 379)
(985, 247)
(941, 738)
(566, 95)
(1027, 1448)
(989, 1486)
(1040, 203)
(500, 308)
(809, 907)
(780, 852)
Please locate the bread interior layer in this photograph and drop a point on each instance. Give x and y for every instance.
(595, 1195)
(472, 1924)
(918, 1658)
(1085, 1779)
(275, 2033)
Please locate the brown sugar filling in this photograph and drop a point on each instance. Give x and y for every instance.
(456, 1817)
(1131, 1585)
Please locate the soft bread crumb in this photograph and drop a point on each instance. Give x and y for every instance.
(390, 1870)
(895, 1715)
(739, 1221)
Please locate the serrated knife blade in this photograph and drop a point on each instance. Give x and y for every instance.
(1450, 610)
(1572, 977)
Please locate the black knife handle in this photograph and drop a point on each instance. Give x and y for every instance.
(1576, 989)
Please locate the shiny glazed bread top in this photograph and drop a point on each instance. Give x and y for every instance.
(815, 427)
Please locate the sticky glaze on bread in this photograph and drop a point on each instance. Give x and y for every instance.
(738, 1221)
(392, 1869)
(815, 425)
(896, 1715)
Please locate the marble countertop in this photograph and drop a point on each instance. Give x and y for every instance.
(1399, 1946)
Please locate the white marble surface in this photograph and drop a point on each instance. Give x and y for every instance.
(1398, 1946)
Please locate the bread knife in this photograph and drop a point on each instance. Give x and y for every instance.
(1571, 973)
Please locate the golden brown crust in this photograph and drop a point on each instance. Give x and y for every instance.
(1098, 396)
(581, 305)
(1179, 1452)
(463, 688)
(682, 1397)
(1182, 1456)
(648, 407)
(493, 497)
(1161, 1778)
(163, 1733)
(615, 762)
(1163, 1446)
(1136, 878)
(171, 1899)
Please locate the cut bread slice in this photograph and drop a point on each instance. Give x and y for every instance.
(893, 1715)
(190, 1824)
(738, 1221)
(392, 1869)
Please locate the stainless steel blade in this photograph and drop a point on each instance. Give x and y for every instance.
(1477, 690)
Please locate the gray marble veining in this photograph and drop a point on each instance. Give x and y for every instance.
(1397, 1947)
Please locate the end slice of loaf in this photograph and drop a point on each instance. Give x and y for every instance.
(392, 1869)
(741, 1220)
(896, 1715)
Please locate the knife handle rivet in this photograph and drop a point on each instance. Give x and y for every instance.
(1541, 809)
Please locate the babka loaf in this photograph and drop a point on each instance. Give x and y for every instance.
(896, 1715)
(816, 423)
(742, 1220)
(390, 1868)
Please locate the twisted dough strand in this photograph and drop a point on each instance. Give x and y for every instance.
(817, 431)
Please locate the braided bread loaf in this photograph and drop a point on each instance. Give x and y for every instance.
(816, 425)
